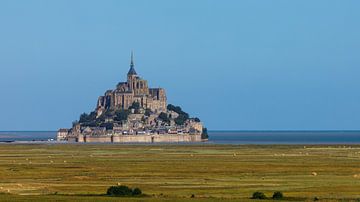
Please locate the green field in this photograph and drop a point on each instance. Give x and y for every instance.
(83, 172)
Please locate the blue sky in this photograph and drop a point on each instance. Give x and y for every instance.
(247, 65)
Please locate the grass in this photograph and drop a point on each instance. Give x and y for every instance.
(83, 172)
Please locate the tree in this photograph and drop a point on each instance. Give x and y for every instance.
(204, 134)
(164, 117)
(258, 195)
(84, 117)
(88, 119)
(147, 112)
(108, 126)
(121, 115)
(180, 120)
(278, 195)
(136, 192)
(119, 191)
(183, 116)
(196, 119)
(123, 190)
(135, 105)
(176, 109)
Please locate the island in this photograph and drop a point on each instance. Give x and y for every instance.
(135, 113)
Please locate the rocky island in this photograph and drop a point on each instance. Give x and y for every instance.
(133, 112)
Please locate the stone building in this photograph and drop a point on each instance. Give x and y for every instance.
(135, 89)
(149, 121)
(62, 134)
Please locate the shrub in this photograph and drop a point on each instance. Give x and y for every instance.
(180, 120)
(123, 191)
(164, 117)
(204, 134)
(119, 191)
(176, 109)
(147, 112)
(121, 115)
(278, 195)
(136, 192)
(84, 117)
(258, 195)
(135, 105)
(183, 116)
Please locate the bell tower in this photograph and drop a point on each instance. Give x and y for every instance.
(131, 75)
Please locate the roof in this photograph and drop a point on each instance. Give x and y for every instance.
(132, 70)
(63, 130)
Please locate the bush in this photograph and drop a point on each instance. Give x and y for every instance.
(147, 112)
(123, 191)
(183, 116)
(180, 120)
(119, 191)
(135, 105)
(164, 117)
(204, 134)
(108, 126)
(136, 192)
(258, 195)
(121, 115)
(176, 109)
(85, 118)
(278, 195)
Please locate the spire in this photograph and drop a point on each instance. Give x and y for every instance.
(132, 59)
(132, 69)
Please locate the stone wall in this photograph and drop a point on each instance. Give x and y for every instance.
(169, 138)
(93, 138)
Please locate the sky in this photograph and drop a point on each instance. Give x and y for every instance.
(237, 65)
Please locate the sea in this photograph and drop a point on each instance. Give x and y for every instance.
(225, 137)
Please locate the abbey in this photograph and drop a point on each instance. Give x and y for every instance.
(135, 89)
(133, 112)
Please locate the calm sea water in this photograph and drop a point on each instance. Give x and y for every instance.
(229, 137)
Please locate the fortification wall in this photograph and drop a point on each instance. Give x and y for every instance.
(90, 138)
(143, 138)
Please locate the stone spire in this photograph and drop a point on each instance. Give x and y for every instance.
(132, 69)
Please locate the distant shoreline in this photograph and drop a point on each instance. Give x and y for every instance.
(223, 137)
(173, 143)
(31, 131)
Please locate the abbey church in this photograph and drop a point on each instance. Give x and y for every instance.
(135, 89)
(133, 112)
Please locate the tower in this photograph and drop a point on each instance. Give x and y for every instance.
(131, 76)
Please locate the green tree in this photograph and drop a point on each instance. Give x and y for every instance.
(278, 195)
(258, 195)
(108, 126)
(135, 105)
(147, 112)
(164, 117)
(123, 190)
(183, 116)
(121, 115)
(84, 117)
(204, 134)
(119, 191)
(136, 192)
(176, 109)
(180, 120)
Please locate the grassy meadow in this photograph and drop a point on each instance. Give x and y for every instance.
(83, 172)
